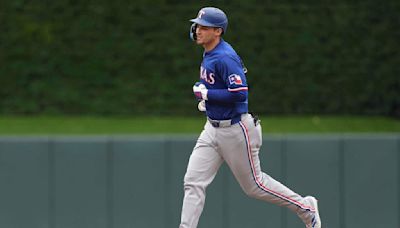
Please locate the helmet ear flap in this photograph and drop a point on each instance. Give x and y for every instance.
(192, 32)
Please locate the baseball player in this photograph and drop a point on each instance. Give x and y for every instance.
(230, 134)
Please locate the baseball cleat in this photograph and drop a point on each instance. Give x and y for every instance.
(316, 220)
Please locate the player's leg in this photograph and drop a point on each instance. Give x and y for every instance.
(241, 154)
(203, 165)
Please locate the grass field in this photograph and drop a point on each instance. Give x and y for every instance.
(43, 125)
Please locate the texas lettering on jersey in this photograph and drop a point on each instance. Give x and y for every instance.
(208, 77)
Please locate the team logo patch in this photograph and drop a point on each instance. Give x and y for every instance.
(235, 79)
(201, 13)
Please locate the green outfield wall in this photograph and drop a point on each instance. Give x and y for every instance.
(136, 182)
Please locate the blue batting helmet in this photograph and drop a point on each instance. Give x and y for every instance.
(210, 17)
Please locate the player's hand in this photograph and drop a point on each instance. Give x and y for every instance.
(200, 91)
(202, 106)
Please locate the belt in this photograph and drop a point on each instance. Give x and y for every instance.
(225, 123)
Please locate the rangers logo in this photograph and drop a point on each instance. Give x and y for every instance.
(201, 13)
(235, 79)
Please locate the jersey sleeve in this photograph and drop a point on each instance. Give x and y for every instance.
(231, 71)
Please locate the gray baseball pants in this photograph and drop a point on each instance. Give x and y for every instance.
(238, 145)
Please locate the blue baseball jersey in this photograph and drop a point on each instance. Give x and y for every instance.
(222, 72)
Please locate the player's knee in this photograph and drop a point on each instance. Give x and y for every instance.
(190, 184)
(190, 180)
(194, 191)
(252, 192)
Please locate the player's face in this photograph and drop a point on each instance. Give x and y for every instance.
(207, 35)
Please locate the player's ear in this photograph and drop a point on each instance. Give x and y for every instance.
(220, 31)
